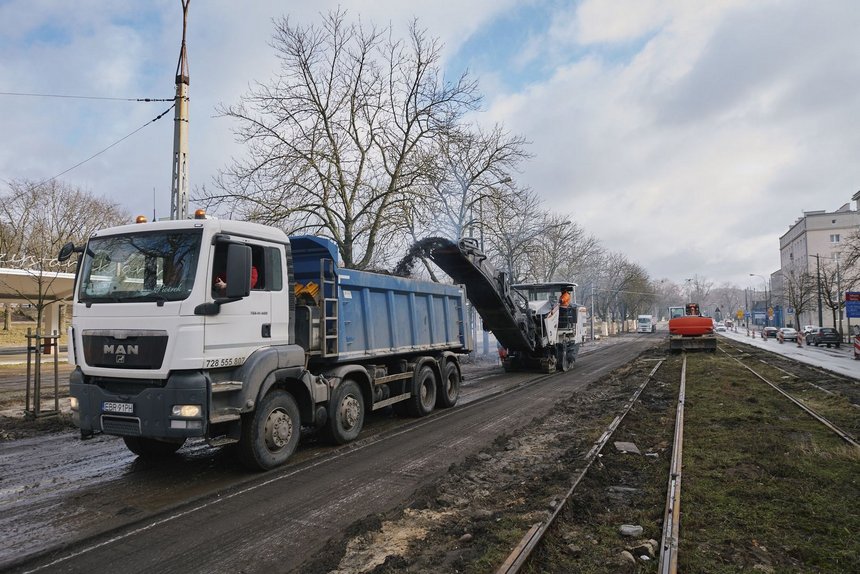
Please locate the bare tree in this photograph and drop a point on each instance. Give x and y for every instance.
(514, 224)
(36, 219)
(338, 139)
(470, 167)
(800, 290)
(835, 280)
(563, 252)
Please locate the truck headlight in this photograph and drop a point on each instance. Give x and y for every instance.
(188, 411)
(73, 402)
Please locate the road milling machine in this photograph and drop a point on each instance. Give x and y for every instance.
(538, 328)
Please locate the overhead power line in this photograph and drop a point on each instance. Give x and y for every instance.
(155, 119)
(70, 96)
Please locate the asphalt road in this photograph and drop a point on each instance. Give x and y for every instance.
(71, 506)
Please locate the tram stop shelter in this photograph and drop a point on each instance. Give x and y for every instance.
(45, 288)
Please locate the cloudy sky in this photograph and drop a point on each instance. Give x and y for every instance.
(686, 135)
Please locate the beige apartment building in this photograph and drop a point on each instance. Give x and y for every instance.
(814, 238)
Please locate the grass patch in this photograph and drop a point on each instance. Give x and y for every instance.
(764, 485)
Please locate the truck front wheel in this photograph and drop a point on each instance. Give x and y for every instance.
(150, 447)
(270, 434)
(346, 412)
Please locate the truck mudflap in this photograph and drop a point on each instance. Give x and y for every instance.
(119, 409)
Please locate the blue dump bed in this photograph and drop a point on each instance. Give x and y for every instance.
(346, 315)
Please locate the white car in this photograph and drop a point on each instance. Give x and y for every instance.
(719, 326)
(807, 329)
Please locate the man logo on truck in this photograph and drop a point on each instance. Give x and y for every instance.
(120, 350)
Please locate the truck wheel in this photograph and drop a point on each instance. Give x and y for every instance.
(423, 397)
(270, 434)
(346, 412)
(150, 447)
(449, 390)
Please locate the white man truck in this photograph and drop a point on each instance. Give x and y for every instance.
(646, 324)
(165, 351)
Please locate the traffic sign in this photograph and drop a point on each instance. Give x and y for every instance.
(770, 312)
(740, 314)
(852, 304)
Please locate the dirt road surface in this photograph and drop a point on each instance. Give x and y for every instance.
(72, 506)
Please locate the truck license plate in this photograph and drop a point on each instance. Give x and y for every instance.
(124, 408)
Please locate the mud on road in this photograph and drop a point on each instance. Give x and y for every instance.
(470, 519)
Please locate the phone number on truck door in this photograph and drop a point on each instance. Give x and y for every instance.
(224, 362)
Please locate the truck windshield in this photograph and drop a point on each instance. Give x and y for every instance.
(153, 266)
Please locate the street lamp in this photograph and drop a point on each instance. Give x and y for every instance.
(766, 298)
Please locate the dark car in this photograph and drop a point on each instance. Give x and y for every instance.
(769, 333)
(824, 336)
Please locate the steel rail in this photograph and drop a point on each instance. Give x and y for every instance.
(835, 429)
(672, 514)
(537, 531)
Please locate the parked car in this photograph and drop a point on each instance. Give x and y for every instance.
(719, 326)
(729, 324)
(824, 336)
(808, 329)
(787, 334)
(769, 332)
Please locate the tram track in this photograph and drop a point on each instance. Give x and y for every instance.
(670, 542)
(523, 550)
(830, 392)
(844, 435)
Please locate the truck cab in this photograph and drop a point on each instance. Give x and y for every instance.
(188, 328)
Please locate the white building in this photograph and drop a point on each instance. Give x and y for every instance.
(813, 239)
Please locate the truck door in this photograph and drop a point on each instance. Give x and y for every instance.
(240, 327)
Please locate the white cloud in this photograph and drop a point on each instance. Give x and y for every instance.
(714, 123)
(697, 149)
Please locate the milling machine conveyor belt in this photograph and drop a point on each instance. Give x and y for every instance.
(488, 292)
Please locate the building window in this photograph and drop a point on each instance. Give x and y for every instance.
(834, 238)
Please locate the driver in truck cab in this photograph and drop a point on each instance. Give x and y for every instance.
(219, 282)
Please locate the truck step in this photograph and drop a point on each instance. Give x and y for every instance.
(224, 416)
(222, 441)
(226, 386)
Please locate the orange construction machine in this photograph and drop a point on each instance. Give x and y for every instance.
(689, 331)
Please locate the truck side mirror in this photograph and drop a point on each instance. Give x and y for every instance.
(66, 251)
(238, 271)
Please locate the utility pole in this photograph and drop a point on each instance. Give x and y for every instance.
(179, 186)
(818, 273)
